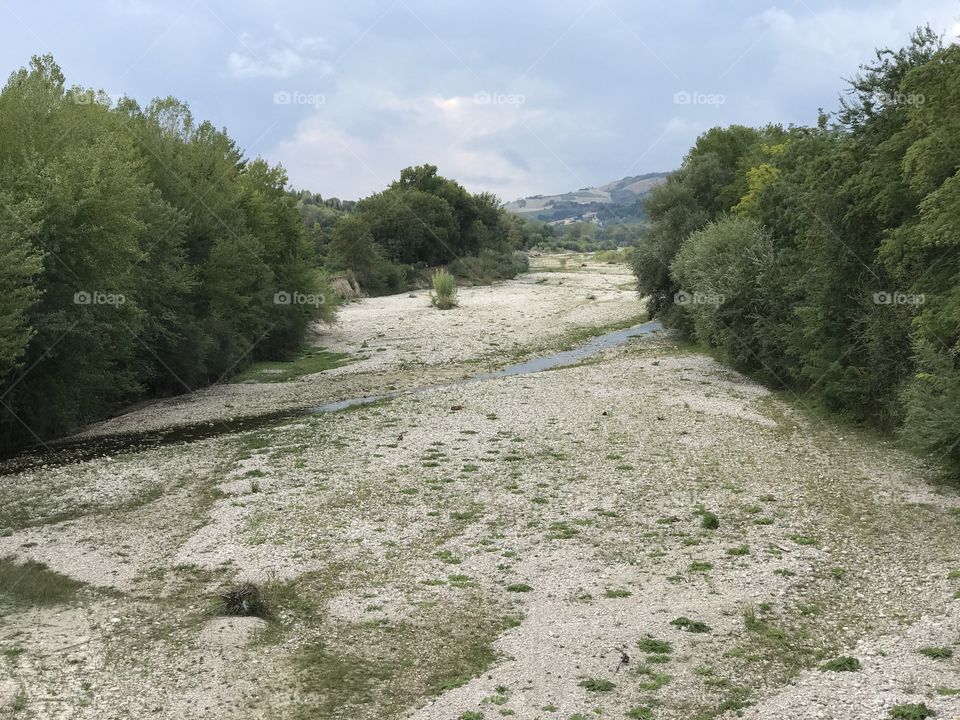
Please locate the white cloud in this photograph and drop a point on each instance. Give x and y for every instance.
(332, 151)
(280, 57)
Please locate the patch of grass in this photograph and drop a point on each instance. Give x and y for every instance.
(709, 520)
(655, 680)
(650, 644)
(911, 712)
(378, 671)
(693, 626)
(597, 685)
(738, 551)
(471, 715)
(306, 361)
(640, 713)
(843, 663)
(447, 556)
(562, 531)
(805, 540)
(519, 588)
(738, 698)
(616, 593)
(31, 583)
(700, 566)
(937, 653)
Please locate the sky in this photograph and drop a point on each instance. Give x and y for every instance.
(516, 98)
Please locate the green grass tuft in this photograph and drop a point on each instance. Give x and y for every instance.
(693, 626)
(597, 685)
(444, 294)
(843, 663)
(911, 712)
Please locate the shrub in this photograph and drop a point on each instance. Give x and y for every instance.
(652, 645)
(444, 290)
(245, 600)
(597, 685)
(911, 712)
(709, 521)
(841, 664)
(489, 265)
(693, 626)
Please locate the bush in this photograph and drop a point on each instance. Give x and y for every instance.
(444, 290)
(488, 266)
(245, 600)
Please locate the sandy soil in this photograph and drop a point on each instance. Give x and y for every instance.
(511, 547)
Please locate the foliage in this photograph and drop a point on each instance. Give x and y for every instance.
(444, 290)
(141, 252)
(827, 259)
(424, 220)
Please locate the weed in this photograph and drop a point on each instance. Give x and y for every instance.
(841, 664)
(693, 626)
(617, 593)
(519, 588)
(444, 294)
(597, 685)
(650, 644)
(245, 600)
(655, 681)
(738, 551)
(709, 520)
(911, 712)
(562, 531)
(640, 713)
(937, 653)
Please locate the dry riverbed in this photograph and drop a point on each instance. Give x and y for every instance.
(645, 535)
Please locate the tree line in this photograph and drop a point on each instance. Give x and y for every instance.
(827, 259)
(140, 254)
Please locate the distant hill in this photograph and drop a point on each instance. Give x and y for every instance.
(617, 201)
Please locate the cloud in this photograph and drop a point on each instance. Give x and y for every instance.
(279, 58)
(481, 145)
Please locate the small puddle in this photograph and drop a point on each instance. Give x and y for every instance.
(66, 452)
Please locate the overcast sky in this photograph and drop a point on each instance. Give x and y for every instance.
(516, 97)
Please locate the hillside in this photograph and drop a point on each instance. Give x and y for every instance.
(616, 201)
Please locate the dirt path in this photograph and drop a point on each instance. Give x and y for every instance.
(495, 549)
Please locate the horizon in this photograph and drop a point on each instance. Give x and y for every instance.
(346, 97)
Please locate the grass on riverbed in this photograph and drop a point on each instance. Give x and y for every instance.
(31, 584)
(307, 361)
